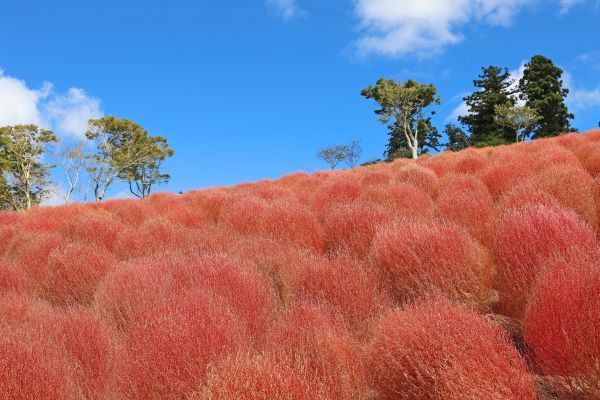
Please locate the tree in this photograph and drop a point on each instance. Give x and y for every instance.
(457, 138)
(353, 154)
(333, 155)
(541, 87)
(121, 146)
(404, 106)
(494, 85)
(520, 119)
(428, 139)
(143, 175)
(74, 162)
(25, 175)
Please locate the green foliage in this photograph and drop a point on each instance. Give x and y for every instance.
(405, 108)
(542, 89)
(428, 139)
(494, 85)
(457, 138)
(520, 119)
(125, 152)
(24, 180)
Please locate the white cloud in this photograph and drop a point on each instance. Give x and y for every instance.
(285, 9)
(423, 27)
(581, 99)
(70, 112)
(66, 114)
(565, 5)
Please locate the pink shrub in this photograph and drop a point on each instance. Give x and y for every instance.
(401, 199)
(338, 188)
(14, 280)
(341, 283)
(315, 341)
(526, 240)
(417, 175)
(418, 257)
(572, 186)
(437, 350)
(30, 250)
(168, 350)
(97, 228)
(466, 201)
(351, 226)
(90, 345)
(209, 201)
(562, 327)
(73, 273)
(159, 235)
(505, 171)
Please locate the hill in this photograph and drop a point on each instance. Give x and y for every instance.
(469, 275)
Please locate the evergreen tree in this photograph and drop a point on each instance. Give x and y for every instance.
(542, 89)
(457, 138)
(494, 85)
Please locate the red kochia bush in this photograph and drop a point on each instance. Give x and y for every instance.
(159, 235)
(73, 273)
(562, 328)
(351, 226)
(418, 257)
(434, 349)
(90, 345)
(129, 292)
(169, 348)
(466, 201)
(13, 279)
(401, 199)
(340, 282)
(97, 228)
(526, 240)
(572, 186)
(422, 177)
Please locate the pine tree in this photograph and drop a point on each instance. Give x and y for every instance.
(494, 85)
(542, 89)
(457, 138)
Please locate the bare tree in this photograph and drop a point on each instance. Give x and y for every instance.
(353, 154)
(333, 155)
(73, 161)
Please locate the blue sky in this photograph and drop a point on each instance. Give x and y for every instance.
(246, 90)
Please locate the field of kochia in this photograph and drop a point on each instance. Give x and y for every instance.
(470, 275)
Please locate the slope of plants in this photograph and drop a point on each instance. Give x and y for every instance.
(470, 275)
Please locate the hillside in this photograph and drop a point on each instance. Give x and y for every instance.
(469, 275)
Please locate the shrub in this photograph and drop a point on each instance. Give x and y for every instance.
(160, 235)
(526, 240)
(73, 273)
(97, 228)
(505, 171)
(434, 349)
(315, 341)
(13, 279)
(168, 350)
(562, 327)
(341, 283)
(417, 257)
(401, 199)
(339, 188)
(351, 226)
(572, 186)
(466, 201)
(90, 346)
(422, 177)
